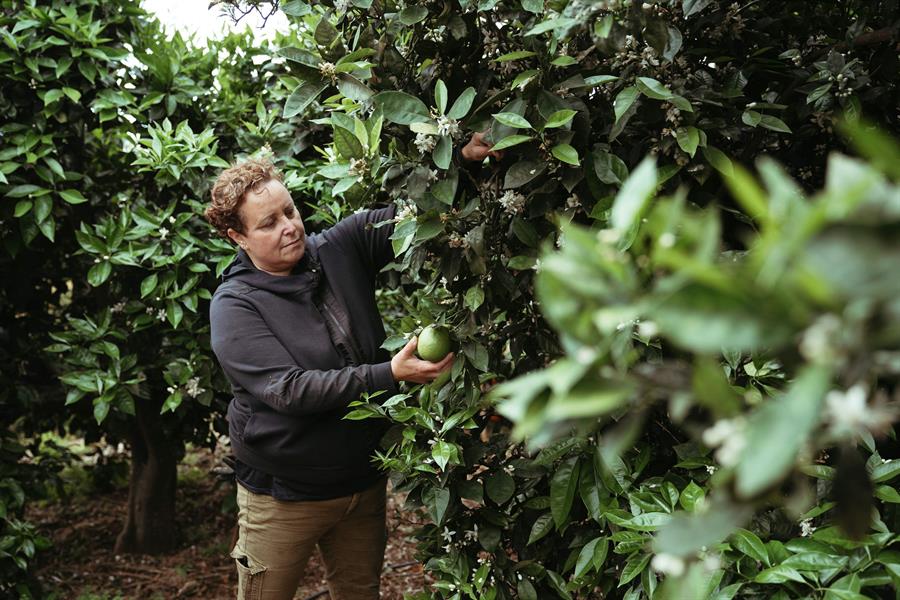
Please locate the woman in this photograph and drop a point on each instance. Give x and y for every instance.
(296, 329)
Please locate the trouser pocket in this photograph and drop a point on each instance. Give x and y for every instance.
(250, 578)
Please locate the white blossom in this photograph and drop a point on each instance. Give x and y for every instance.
(457, 241)
(448, 126)
(512, 202)
(192, 387)
(447, 534)
(327, 70)
(425, 142)
(849, 412)
(358, 167)
(163, 232)
(668, 564)
(817, 343)
(117, 307)
(806, 528)
(729, 436)
(161, 314)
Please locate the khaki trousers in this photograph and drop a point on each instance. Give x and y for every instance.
(276, 539)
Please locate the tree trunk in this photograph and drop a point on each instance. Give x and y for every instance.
(150, 526)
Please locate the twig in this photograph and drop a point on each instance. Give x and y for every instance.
(403, 564)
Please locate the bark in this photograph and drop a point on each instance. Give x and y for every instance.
(150, 526)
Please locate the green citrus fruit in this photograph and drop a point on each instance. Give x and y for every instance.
(434, 343)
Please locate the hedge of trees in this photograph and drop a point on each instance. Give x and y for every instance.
(676, 329)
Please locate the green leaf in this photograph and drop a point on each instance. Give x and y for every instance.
(885, 471)
(552, 25)
(462, 104)
(690, 496)
(717, 159)
(595, 80)
(688, 139)
(22, 208)
(563, 485)
(633, 567)
(347, 144)
(442, 452)
(653, 89)
(774, 123)
(295, 8)
(174, 312)
(401, 108)
(788, 419)
(512, 120)
(778, 574)
(443, 152)
(517, 55)
(692, 7)
(560, 118)
(525, 590)
(101, 410)
(566, 154)
(302, 97)
(42, 208)
(634, 195)
(681, 103)
(509, 141)
(586, 557)
(99, 273)
(22, 190)
(624, 100)
(886, 493)
(440, 96)
(533, 6)
(72, 196)
(522, 172)
(413, 14)
(301, 56)
(474, 297)
(748, 543)
(437, 500)
(751, 118)
(521, 263)
(500, 487)
(540, 528)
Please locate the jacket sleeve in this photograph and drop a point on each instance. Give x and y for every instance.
(254, 359)
(372, 244)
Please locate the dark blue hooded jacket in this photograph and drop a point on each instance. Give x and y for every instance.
(298, 349)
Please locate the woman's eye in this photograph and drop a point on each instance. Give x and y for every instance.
(290, 211)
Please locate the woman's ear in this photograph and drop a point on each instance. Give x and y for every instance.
(237, 237)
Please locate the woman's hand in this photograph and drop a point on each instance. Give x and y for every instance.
(478, 148)
(406, 366)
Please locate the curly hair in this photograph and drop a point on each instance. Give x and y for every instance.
(229, 190)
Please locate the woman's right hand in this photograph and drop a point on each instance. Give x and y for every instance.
(406, 366)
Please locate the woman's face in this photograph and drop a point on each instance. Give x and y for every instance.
(273, 234)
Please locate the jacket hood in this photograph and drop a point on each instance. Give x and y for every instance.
(304, 276)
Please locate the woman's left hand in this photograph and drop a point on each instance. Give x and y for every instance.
(406, 366)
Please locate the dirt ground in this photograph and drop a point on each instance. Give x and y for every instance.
(81, 564)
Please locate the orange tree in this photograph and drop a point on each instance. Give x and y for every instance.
(111, 133)
(577, 94)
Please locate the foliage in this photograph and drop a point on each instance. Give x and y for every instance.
(576, 94)
(114, 132)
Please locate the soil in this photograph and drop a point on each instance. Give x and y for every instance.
(81, 564)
